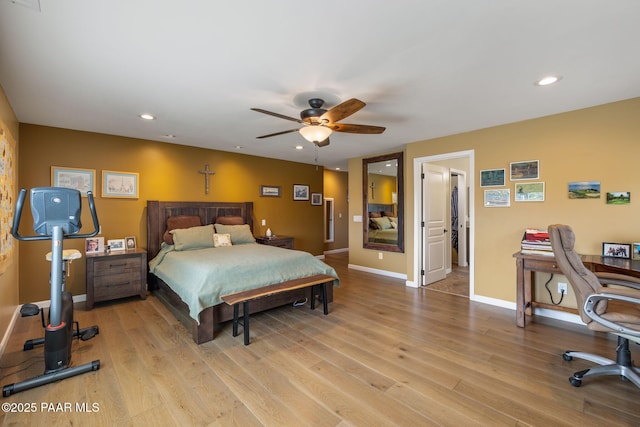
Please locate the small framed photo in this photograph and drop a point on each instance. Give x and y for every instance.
(584, 190)
(300, 192)
(529, 192)
(497, 198)
(528, 169)
(120, 184)
(116, 245)
(316, 199)
(616, 250)
(269, 191)
(619, 198)
(636, 251)
(130, 242)
(492, 177)
(94, 245)
(82, 180)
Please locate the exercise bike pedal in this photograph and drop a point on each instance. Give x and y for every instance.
(88, 333)
(28, 310)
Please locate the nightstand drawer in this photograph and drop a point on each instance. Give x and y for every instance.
(116, 275)
(109, 267)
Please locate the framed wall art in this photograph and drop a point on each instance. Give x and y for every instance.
(300, 192)
(82, 180)
(619, 198)
(616, 250)
(120, 184)
(528, 169)
(584, 190)
(492, 177)
(316, 199)
(529, 192)
(269, 191)
(497, 198)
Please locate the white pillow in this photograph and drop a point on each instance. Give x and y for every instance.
(221, 240)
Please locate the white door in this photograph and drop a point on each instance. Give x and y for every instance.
(435, 194)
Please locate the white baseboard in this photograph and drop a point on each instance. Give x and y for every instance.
(16, 315)
(380, 272)
(336, 251)
(544, 312)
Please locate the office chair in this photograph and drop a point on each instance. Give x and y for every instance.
(604, 309)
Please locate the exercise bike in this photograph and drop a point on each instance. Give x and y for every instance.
(56, 216)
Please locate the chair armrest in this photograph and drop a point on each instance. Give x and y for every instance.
(618, 279)
(625, 295)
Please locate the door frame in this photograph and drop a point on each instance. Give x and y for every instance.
(417, 216)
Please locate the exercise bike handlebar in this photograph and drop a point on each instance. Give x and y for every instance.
(18, 216)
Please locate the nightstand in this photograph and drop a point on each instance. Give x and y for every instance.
(116, 274)
(279, 241)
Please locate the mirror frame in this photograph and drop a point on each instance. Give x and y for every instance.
(365, 202)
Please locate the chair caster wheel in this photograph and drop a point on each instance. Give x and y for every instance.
(567, 357)
(576, 382)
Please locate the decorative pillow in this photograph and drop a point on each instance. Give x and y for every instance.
(373, 225)
(239, 233)
(193, 238)
(179, 221)
(221, 240)
(374, 215)
(387, 213)
(230, 220)
(382, 222)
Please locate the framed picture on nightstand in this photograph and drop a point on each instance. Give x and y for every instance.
(116, 245)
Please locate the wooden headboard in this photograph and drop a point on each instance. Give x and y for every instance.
(158, 212)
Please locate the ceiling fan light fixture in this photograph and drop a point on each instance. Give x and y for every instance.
(315, 133)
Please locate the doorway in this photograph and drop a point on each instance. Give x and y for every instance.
(466, 188)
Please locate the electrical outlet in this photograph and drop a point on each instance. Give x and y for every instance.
(562, 288)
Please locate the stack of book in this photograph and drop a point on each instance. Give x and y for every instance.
(536, 242)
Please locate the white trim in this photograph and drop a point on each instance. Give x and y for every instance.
(336, 251)
(380, 272)
(544, 312)
(417, 204)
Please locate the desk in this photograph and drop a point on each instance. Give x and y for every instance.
(527, 264)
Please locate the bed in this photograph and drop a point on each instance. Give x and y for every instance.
(204, 317)
(383, 224)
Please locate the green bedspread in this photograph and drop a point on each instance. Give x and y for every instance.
(201, 276)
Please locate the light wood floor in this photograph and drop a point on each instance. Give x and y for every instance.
(385, 355)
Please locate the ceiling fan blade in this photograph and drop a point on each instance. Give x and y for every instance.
(322, 143)
(278, 133)
(343, 110)
(340, 127)
(271, 113)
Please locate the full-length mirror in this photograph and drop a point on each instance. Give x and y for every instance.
(383, 202)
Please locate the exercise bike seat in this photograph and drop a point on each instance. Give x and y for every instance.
(67, 255)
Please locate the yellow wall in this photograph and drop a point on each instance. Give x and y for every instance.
(384, 187)
(336, 187)
(167, 172)
(9, 266)
(598, 143)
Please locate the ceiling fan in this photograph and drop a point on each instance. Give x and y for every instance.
(320, 123)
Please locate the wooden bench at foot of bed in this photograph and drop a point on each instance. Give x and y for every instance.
(320, 280)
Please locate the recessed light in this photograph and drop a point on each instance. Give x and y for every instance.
(238, 147)
(549, 80)
(337, 169)
(147, 116)
(169, 136)
(299, 147)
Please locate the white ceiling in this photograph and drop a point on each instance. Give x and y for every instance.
(425, 68)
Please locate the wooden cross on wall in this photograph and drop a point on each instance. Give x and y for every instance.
(372, 186)
(206, 172)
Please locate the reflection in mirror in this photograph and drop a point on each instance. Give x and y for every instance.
(383, 202)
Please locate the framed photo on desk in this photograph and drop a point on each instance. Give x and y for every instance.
(616, 250)
(635, 254)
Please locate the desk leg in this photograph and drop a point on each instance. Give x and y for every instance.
(520, 292)
(528, 286)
